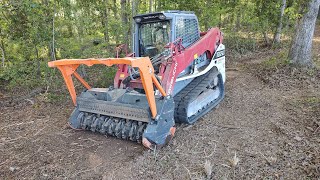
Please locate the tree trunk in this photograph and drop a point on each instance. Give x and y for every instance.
(116, 16)
(38, 62)
(160, 5)
(114, 9)
(124, 19)
(134, 7)
(105, 22)
(53, 50)
(220, 20)
(3, 53)
(238, 21)
(266, 38)
(277, 35)
(134, 12)
(207, 16)
(150, 6)
(301, 49)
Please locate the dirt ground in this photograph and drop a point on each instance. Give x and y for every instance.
(267, 127)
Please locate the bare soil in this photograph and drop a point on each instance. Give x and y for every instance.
(267, 127)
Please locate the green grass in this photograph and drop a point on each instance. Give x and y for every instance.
(278, 60)
(312, 100)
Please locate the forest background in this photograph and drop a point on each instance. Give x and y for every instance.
(33, 32)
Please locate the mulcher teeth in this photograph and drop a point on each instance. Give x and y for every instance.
(121, 128)
(153, 132)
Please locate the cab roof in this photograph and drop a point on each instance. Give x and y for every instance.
(170, 14)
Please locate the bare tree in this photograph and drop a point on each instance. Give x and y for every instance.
(135, 7)
(124, 18)
(2, 53)
(301, 48)
(266, 38)
(105, 21)
(150, 6)
(277, 35)
(53, 50)
(135, 4)
(114, 8)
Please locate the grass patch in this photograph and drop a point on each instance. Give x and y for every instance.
(279, 60)
(53, 97)
(311, 100)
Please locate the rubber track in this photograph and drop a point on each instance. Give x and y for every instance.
(180, 96)
(121, 128)
(189, 94)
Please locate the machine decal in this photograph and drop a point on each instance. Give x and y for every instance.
(219, 54)
(173, 77)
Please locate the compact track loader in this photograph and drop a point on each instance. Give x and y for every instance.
(175, 74)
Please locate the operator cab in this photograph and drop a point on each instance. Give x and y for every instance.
(155, 30)
(153, 37)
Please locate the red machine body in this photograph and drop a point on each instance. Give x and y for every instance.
(178, 60)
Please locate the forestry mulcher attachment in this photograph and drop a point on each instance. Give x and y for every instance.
(175, 74)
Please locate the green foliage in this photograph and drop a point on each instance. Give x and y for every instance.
(313, 100)
(25, 75)
(239, 45)
(101, 76)
(51, 97)
(84, 48)
(31, 30)
(277, 61)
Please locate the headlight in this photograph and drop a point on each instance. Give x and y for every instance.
(162, 17)
(138, 19)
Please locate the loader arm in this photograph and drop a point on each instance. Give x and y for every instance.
(68, 68)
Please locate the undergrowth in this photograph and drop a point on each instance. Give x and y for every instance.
(278, 72)
(23, 76)
(239, 45)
